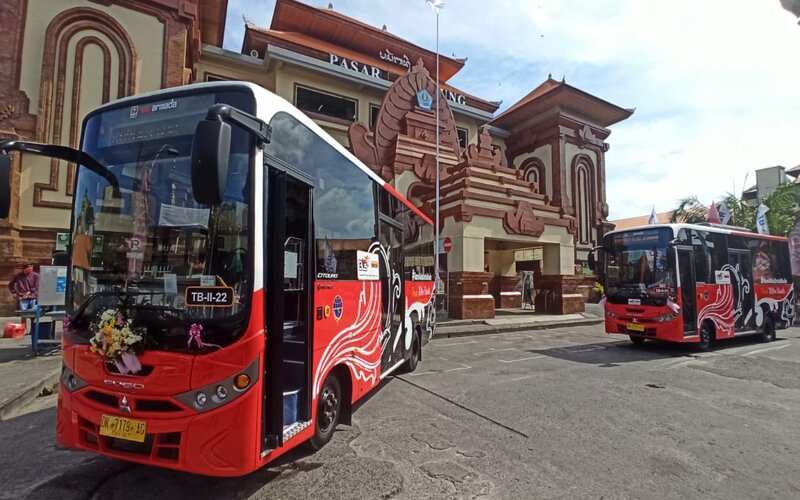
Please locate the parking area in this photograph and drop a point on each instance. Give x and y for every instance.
(560, 413)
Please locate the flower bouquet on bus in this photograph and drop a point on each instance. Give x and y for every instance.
(118, 340)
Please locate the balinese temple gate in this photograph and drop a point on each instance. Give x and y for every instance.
(489, 210)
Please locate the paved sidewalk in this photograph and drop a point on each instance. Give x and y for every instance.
(24, 376)
(512, 320)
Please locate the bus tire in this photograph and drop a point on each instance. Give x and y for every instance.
(636, 339)
(413, 360)
(706, 337)
(768, 330)
(329, 409)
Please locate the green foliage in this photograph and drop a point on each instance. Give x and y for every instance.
(783, 204)
(596, 293)
(782, 215)
(742, 214)
(690, 211)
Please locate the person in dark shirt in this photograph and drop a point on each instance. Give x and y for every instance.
(25, 287)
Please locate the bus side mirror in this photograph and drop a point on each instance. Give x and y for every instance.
(210, 150)
(5, 185)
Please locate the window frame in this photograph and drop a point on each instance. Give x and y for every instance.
(319, 114)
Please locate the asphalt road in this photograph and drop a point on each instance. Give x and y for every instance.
(563, 413)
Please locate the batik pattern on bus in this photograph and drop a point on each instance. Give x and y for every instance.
(742, 288)
(720, 310)
(356, 345)
(774, 298)
(393, 284)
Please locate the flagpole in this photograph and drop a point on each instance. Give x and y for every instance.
(436, 229)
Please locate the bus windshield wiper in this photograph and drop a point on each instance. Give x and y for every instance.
(152, 308)
(63, 153)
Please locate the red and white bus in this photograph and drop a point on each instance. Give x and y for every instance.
(275, 280)
(695, 283)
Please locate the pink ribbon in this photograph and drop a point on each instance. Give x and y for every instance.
(674, 306)
(128, 363)
(195, 334)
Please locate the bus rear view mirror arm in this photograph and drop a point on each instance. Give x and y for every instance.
(211, 148)
(60, 153)
(592, 261)
(5, 185)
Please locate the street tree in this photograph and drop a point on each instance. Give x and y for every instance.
(783, 204)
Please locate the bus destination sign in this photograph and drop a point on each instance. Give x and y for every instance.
(209, 296)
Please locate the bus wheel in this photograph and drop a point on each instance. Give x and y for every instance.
(705, 338)
(637, 340)
(768, 331)
(411, 362)
(329, 406)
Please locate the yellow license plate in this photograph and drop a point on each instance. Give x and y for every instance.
(635, 327)
(123, 428)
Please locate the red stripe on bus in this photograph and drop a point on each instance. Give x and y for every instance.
(407, 203)
(759, 236)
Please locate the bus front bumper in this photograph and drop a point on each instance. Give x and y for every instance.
(649, 328)
(222, 442)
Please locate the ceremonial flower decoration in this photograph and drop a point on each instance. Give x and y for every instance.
(196, 336)
(118, 340)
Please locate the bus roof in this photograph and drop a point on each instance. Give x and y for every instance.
(711, 228)
(267, 100)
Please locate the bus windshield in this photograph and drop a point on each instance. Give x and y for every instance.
(153, 241)
(638, 265)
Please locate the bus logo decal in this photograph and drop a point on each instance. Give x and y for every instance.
(338, 307)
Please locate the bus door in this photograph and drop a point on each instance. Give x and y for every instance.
(287, 304)
(392, 340)
(742, 306)
(687, 284)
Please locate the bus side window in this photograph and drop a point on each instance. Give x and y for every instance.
(780, 259)
(718, 250)
(702, 257)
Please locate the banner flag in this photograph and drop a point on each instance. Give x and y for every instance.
(724, 213)
(713, 215)
(653, 217)
(435, 4)
(761, 219)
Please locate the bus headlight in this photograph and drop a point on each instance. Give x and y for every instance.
(241, 381)
(220, 392)
(71, 381)
(666, 317)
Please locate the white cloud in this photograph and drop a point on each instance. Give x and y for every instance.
(714, 82)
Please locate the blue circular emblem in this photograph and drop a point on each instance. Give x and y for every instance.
(338, 305)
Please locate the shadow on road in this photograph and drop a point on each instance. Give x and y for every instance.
(8, 354)
(85, 475)
(612, 354)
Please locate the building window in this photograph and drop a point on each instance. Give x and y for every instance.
(326, 104)
(210, 77)
(584, 222)
(532, 175)
(463, 135)
(584, 196)
(373, 115)
(533, 171)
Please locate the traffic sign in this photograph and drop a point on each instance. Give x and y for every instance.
(447, 244)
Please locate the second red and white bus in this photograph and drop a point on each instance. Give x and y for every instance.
(695, 283)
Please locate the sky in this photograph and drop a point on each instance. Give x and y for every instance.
(715, 83)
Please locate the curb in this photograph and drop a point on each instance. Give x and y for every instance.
(484, 329)
(48, 381)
